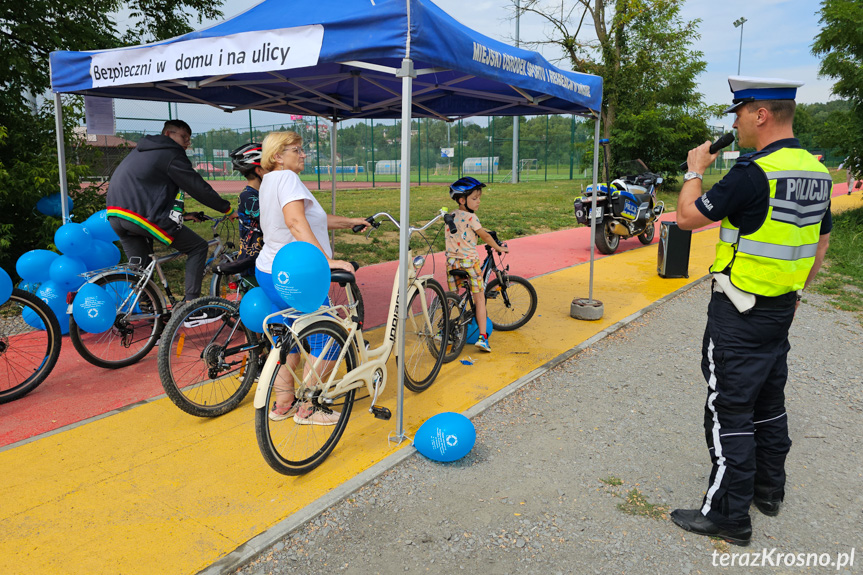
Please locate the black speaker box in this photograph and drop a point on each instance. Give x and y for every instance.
(673, 257)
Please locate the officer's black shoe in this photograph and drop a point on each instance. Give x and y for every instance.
(768, 507)
(693, 521)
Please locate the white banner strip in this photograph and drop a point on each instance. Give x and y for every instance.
(281, 49)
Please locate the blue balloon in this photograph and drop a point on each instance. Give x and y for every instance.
(30, 318)
(301, 276)
(5, 286)
(473, 334)
(102, 254)
(73, 239)
(66, 272)
(100, 228)
(55, 296)
(119, 291)
(51, 205)
(35, 265)
(93, 309)
(254, 307)
(445, 437)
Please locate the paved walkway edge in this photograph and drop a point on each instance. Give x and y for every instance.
(265, 540)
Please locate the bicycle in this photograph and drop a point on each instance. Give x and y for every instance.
(510, 301)
(343, 364)
(207, 367)
(30, 343)
(143, 307)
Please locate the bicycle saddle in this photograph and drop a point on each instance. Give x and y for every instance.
(235, 267)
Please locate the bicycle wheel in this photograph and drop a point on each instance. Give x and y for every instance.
(423, 341)
(29, 344)
(512, 305)
(339, 296)
(457, 327)
(135, 331)
(293, 446)
(208, 365)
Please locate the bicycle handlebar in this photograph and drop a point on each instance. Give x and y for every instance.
(372, 220)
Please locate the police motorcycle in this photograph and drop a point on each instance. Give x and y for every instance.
(626, 208)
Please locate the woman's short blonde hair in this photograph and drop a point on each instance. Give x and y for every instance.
(274, 143)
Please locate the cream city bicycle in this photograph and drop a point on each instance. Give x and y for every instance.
(330, 362)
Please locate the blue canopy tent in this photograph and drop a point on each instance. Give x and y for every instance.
(339, 59)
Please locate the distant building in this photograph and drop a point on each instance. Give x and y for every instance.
(101, 153)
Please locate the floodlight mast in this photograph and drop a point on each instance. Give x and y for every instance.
(739, 24)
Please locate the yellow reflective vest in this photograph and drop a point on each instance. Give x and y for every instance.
(776, 258)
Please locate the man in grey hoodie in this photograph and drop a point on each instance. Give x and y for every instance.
(146, 197)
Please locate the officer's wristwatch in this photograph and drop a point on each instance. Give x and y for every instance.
(691, 176)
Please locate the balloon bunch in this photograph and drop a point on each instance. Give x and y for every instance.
(51, 276)
(301, 277)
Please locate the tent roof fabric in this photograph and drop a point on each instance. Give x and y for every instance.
(338, 59)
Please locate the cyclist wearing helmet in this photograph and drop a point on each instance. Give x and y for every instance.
(247, 160)
(461, 251)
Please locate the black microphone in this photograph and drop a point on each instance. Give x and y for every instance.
(714, 147)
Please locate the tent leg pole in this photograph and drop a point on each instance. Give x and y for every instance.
(593, 211)
(406, 73)
(333, 192)
(61, 157)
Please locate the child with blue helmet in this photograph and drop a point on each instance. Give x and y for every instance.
(461, 253)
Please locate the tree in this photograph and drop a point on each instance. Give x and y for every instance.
(29, 32)
(642, 49)
(841, 44)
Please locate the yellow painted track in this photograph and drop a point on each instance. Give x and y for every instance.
(154, 490)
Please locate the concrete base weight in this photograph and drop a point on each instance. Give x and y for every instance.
(585, 309)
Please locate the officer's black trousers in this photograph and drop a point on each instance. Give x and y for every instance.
(745, 424)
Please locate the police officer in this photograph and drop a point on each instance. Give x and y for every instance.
(774, 205)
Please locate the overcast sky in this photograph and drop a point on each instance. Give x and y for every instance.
(777, 38)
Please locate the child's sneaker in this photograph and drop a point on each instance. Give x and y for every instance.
(282, 413)
(310, 415)
(482, 343)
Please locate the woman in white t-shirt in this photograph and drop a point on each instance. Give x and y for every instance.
(289, 212)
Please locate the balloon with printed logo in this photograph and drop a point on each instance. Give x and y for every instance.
(5, 286)
(254, 307)
(72, 239)
(66, 272)
(100, 228)
(301, 276)
(445, 437)
(473, 334)
(93, 309)
(101, 254)
(55, 296)
(35, 265)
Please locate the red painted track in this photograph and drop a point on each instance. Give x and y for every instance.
(77, 390)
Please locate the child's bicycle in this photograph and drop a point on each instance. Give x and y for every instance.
(510, 301)
(143, 306)
(328, 382)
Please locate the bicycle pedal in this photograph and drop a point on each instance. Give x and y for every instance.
(381, 412)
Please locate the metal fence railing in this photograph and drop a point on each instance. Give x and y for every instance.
(368, 151)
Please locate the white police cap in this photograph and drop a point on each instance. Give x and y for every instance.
(748, 89)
